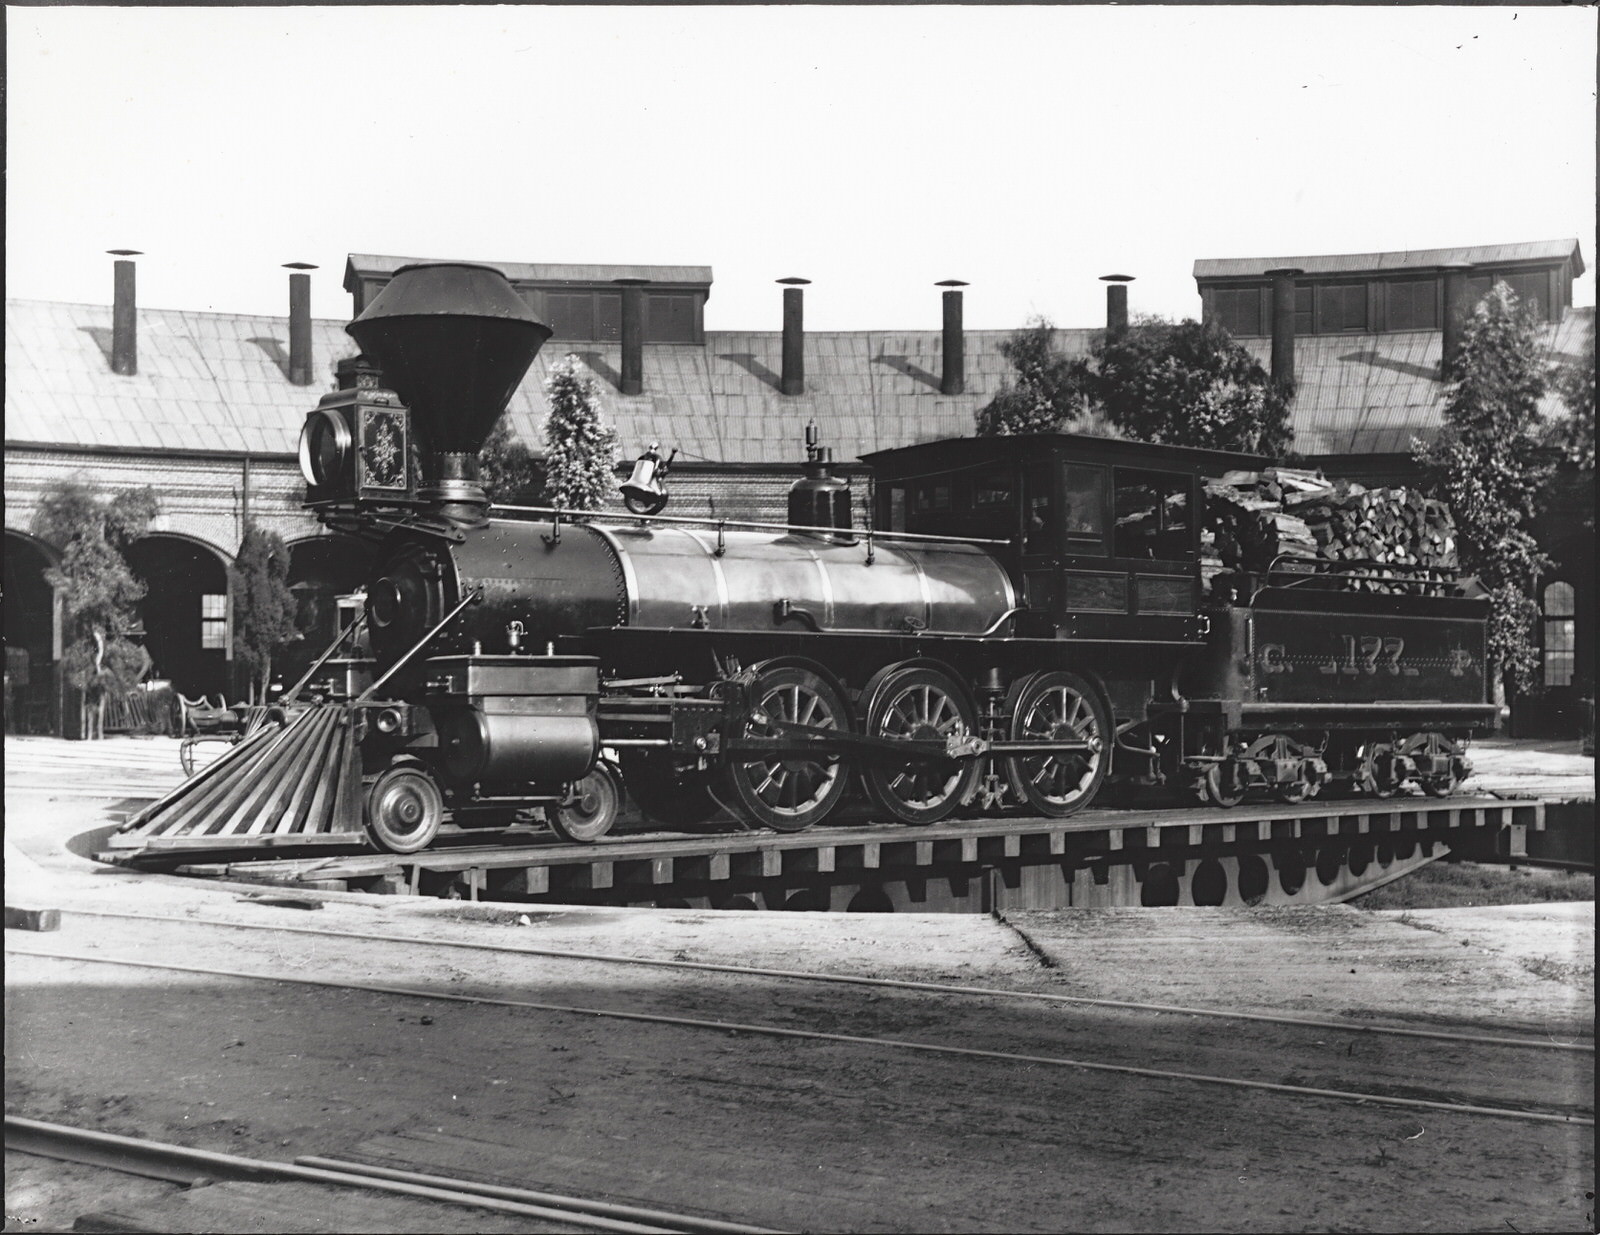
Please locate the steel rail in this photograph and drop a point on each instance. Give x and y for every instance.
(941, 988)
(182, 1164)
(671, 1221)
(816, 1035)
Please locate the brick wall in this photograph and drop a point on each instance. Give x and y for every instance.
(202, 497)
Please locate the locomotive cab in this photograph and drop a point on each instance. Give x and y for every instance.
(1104, 534)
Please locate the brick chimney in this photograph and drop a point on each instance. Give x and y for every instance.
(793, 381)
(1455, 314)
(300, 362)
(1283, 295)
(632, 336)
(1116, 301)
(954, 378)
(124, 324)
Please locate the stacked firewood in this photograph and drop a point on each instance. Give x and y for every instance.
(1294, 518)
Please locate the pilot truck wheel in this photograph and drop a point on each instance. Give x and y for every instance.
(404, 809)
(592, 811)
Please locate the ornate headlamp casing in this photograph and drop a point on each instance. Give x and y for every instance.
(356, 446)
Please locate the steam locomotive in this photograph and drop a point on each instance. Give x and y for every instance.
(1021, 620)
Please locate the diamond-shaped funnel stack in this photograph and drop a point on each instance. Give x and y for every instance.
(453, 340)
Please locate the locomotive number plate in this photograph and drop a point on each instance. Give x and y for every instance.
(1337, 658)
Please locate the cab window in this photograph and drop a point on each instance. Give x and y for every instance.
(1039, 519)
(1153, 517)
(1083, 501)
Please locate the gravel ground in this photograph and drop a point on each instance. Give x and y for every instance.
(795, 1134)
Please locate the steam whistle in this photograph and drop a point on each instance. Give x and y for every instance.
(645, 491)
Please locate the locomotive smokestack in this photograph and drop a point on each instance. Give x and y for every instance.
(1116, 301)
(124, 322)
(299, 322)
(632, 335)
(453, 341)
(793, 381)
(1283, 295)
(1456, 310)
(954, 379)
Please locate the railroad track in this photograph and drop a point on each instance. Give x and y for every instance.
(184, 1165)
(855, 980)
(1386, 1076)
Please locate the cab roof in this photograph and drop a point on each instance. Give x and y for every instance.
(959, 453)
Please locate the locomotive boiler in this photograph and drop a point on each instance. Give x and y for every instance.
(1020, 619)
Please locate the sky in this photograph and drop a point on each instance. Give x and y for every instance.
(873, 150)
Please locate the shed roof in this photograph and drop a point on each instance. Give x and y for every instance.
(1403, 259)
(219, 381)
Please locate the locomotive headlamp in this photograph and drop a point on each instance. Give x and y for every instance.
(356, 445)
(324, 448)
(389, 721)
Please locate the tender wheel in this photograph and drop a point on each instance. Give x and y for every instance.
(1272, 749)
(1436, 748)
(404, 810)
(592, 812)
(670, 797)
(792, 794)
(1050, 706)
(1378, 770)
(920, 703)
(1224, 783)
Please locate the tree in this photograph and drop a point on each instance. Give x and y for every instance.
(511, 473)
(1050, 392)
(263, 606)
(1182, 383)
(1190, 384)
(1488, 465)
(580, 448)
(99, 593)
(1574, 382)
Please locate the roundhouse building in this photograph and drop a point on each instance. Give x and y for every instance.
(207, 407)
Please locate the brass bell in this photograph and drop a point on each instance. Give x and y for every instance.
(644, 492)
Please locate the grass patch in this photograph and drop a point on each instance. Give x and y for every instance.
(1448, 885)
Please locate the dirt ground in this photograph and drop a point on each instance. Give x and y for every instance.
(794, 1134)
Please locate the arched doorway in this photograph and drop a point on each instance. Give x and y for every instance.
(321, 569)
(185, 611)
(33, 637)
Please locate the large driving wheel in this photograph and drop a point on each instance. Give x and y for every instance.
(791, 794)
(1057, 706)
(404, 809)
(920, 703)
(592, 810)
(678, 799)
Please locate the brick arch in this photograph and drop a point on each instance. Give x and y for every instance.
(188, 636)
(33, 630)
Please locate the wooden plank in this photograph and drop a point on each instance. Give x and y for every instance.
(32, 918)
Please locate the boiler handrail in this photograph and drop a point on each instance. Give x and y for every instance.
(716, 521)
